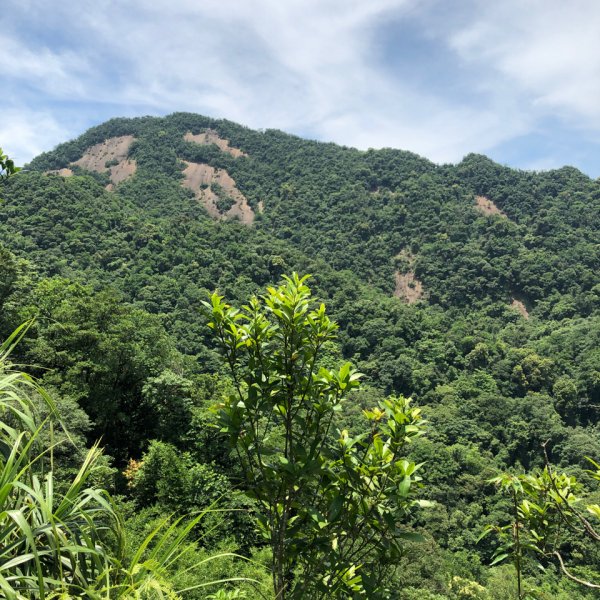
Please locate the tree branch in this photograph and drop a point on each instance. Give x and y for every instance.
(572, 577)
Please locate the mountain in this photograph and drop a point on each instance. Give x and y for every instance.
(472, 287)
(375, 213)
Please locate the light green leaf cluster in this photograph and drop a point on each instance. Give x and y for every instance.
(329, 504)
(545, 516)
(7, 166)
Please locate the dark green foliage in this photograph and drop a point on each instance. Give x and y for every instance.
(101, 352)
(173, 480)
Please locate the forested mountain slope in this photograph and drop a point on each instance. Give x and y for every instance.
(473, 288)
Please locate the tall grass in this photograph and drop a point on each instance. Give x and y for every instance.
(71, 544)
(49, 543)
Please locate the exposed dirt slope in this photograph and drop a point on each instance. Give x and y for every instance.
(408, 287)
(212, 137)
(113, 150)
(486, 206)
(520, 307)
(201, 179)
(61, 172)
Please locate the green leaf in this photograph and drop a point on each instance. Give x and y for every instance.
(317, 517)
(335, 507)
(404, 486)
(499, 559)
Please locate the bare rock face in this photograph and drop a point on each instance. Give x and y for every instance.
(203, 180)
(212, 137)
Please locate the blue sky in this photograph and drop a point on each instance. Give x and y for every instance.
(518, 80)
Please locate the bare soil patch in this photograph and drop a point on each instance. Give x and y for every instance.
(210, 136)
(112, 152)
(197, 174)
(487, 207)
(210, 199)
(520, 307)
(408, 287)
(122, 170)
(61, 172)
(199, 178)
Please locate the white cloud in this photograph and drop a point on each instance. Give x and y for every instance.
(309, 66)
(24, 133)
(56, 73)
(548, 50)
(441, 133)
(280, 64)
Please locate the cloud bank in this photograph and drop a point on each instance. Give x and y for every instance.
(516, 80)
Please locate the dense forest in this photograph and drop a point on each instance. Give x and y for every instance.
(472, 289)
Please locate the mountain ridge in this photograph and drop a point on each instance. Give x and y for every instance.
(276, 180)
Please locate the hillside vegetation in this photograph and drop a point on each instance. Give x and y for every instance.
(473, 288)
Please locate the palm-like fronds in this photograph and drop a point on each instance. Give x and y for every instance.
(69, 545)
(47, 543)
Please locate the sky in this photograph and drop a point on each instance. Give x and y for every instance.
(517, 80)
